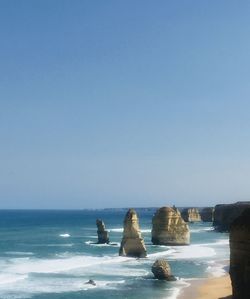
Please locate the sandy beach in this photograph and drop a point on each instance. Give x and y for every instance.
(212, 288)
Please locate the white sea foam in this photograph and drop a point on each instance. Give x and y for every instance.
(24, 273)
(22, 266)
(64, 235)
(186, 252)
(19, 253)
(116, 230)
(193, 252)
(10, 278)
(112, 244)
(88, 242)
(223, 242)
(61, 265)
(26, 288)
(161, 253)
(199, 230)
(216, 269)
(217, 243)
(180, 285)
(60, 245)
(120, 230)
(174, 293)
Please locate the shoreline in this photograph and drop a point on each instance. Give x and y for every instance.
(208, 288)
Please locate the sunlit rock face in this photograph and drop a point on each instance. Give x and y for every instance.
(240, 256)
(225, 214)
(102, 233)
(191, 215)
(207, 214)
(168, 228)
(132, 243)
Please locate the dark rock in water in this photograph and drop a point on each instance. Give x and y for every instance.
(191, 215)
(91, 281)
(103, 237)
(169, 228)
(240, 256)
(207, 214)
(162, 270)
(225, 214)
(132, 243)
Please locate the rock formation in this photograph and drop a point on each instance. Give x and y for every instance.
(132, 243)
(92, 282)
(191, 215)
(162, 270)
(102, 234)
(240, 256)
(207, 214)
(225, 214)
(169, 228)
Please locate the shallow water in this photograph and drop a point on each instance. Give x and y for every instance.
(51, 254)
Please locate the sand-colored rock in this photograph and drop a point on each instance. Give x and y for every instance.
(102, 233)
(207, 214)
(240, 256)
(191, 215)
(169, 228)
(225, 214)
(132, 243)
(162, 271)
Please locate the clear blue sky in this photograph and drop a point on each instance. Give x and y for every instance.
(124, 103)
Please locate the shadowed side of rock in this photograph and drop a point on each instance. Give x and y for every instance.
(102, 233)
(169, 228)
(240, 256)
(225, 214)
(207, 214)
(132, 243)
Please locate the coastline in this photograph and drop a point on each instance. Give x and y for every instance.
(210, 288)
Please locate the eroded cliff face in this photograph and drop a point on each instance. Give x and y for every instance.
(102, 233)
(225, 214)
(169, 228)
(191, 215)
(207, 214)
(132, 243)
(240, 256)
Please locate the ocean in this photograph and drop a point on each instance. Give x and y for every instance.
(52, 254)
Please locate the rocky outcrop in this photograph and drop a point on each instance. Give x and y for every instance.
(169, 228)
(225, 214)
(191, 215)
(132, 243)
(162, 270)
(92, 282)
(240, 256)
(102, 233)
(207, 214)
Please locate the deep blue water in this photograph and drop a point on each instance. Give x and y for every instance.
(51, 255)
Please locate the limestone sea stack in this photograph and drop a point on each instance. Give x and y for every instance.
(162, 271)
(132, 243)
(207, 214)
(169, 228)
(240, 256)
(225, 214)
(102, 233)
(191, 215)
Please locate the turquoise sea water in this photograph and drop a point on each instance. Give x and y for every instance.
(51, 255)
